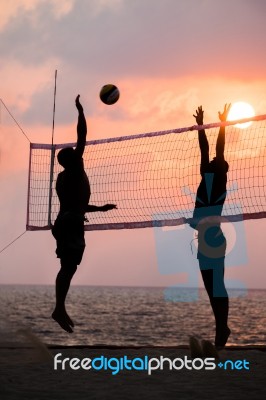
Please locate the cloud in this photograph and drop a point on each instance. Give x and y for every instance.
(164, 56)
(13, 8)
(124, 39)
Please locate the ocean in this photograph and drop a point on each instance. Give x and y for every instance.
(129, 316)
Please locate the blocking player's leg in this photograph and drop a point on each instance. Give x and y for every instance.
(214, 283)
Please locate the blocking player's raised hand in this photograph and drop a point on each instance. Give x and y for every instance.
(199, 115)
(223, 116)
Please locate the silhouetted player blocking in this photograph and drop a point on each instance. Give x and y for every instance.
(210, 198)
(73, 190)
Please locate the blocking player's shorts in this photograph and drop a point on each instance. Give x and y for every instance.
(68, 230)
(211, 247)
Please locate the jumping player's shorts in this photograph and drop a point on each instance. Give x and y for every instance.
(211, 247)
(68, 230)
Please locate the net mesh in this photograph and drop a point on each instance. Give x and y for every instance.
(153, 177)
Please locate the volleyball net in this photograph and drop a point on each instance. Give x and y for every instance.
(153, 177)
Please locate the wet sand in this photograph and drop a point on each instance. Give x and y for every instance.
(28, 373)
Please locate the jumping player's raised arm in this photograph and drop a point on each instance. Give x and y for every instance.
(203, 141)
(221, 137)
(81, 130)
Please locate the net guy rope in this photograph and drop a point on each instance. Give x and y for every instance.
(25, 135)
(153, 177)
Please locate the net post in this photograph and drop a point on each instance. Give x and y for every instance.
(28, 195)
(51, 186)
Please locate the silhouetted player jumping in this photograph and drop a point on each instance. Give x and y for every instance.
(210, 198)
(73, 190)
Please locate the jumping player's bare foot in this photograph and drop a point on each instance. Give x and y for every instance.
(69, 320)
(61, 319)
(221, 337)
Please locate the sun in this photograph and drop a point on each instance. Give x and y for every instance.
(241, 110)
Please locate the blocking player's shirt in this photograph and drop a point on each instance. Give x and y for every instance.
(212, 188)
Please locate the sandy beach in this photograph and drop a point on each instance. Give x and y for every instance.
(28, 373)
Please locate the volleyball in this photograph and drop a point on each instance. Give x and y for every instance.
(109, 94)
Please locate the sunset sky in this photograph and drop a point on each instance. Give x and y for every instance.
(167, 57)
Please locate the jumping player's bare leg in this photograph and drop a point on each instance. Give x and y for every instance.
(63, 281)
